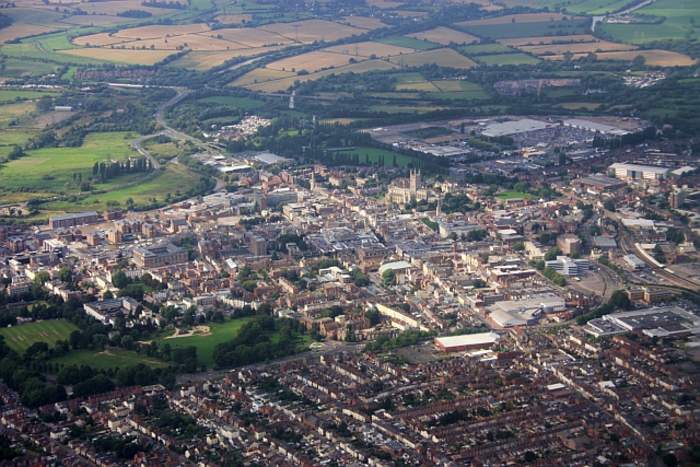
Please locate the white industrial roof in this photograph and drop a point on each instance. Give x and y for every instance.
(468, 339)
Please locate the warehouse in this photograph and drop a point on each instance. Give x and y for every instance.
(483, 340)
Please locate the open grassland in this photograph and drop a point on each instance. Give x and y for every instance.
(20, 338)
(234, 19)
(219, 333)
(678, 20)
(126, 56)
(442, 57)
(175, 179)
(51, 169)
(655, 58)
(12, 113)
(421, 86)
(10, 95)
(107, 359)
(596, 7)
(445, 36)
(485, 49)
(261, 75)
(543, 40)
(507, 59)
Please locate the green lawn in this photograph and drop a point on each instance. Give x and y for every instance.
(108, 359)
(508, 195)
(220, 333)
(20, 337)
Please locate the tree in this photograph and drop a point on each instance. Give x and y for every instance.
(120, 279)
(65, 274)
(388, 277)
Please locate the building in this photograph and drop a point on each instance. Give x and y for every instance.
(509, 313)
(106, 311)
(257, 246)
(568, 267)
(404, 193)
(667, 321)
(569, 244)
(676, 198)
(633, 262)
(71, 220)
(637, 172)
(483, 340)
(599, 183)
(157, 256)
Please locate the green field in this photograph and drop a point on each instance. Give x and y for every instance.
(597, 7)
(220, 333)
(51, 169)
(372, 156)
(507, 59)
(543, 28)
(9, 95)
(175, 180)
(485, 49)
(679, 20)
(508, 195)
(410, 42)
(20, 337)
(107, 359)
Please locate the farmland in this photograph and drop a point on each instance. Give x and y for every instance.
(507, 59)
(677, 21)
(655, 58)
(445, 36)
(20, 338)
(441, 57)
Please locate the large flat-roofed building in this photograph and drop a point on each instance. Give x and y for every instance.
(595, 127)
(599, 183)
(509, 313)
(71, 220)
(624, 171)
(666, 321)
(569, 266)
(514, 127)
(483, 340)
(156, 256)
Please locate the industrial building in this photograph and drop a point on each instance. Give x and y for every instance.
(71, 220)
(483, 340)
(666, 321)
(636, 172)
(568, 266)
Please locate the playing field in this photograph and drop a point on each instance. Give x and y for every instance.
(107, 359)
(371, 156)
(20, 337)
(205, 344)
(510, 195)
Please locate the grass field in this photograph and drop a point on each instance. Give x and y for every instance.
(8, 95)
(508, 195)
(19, 338)
(445, 36)
(442, 57)
(50, 169)
(680, 19)
(544, 28)
(655, 57)
(373, 156)
(410, 42)
(485, 49)
(107, 359)
(576, 48)
(220, 333)
(507, 59)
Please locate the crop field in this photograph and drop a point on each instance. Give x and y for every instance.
(527, 28)
(9, 113)
(20, 338)
(485, 49)
(576, 48)
(445, 36)
(8, 95)
(17, 31)
(126, 56)
(251, 37)
(203, 61)
(363, 22)
(409, 43)
(421, 86)
(261, 75)
(659, 58)
(507, 59)
(175, 179)
(234, 19)
(543, 40)
(311, 62)
(312, 30)
(219, 333)
(515, 19)
(368, 49)
(441, 57)
(107, 359)
(196, 42)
